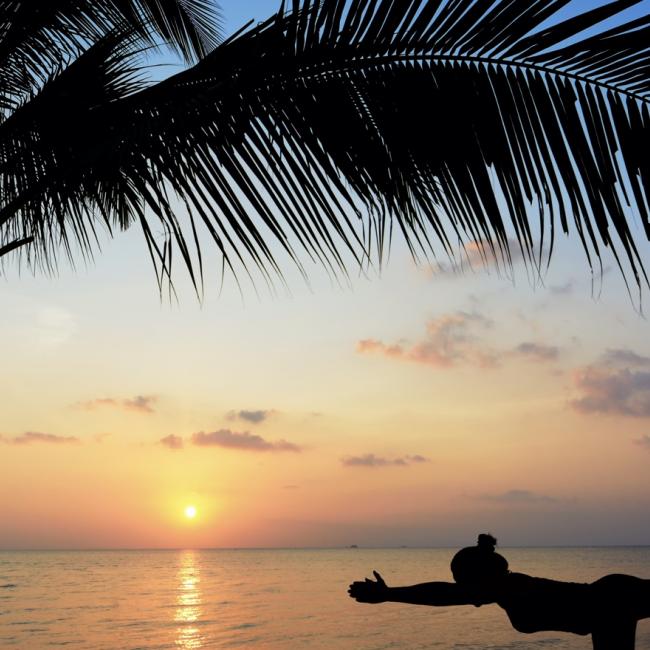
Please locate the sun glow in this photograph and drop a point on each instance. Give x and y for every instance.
(190, 512)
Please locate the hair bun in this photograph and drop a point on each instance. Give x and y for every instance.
(486, 542)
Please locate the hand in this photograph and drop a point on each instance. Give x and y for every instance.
(369, 591)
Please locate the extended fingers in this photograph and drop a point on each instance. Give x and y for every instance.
(379, 579)
(366, 589)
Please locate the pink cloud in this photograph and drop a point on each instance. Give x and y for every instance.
(517, 496)
(373, 345)
(478, 255)
(613, 391)
(100, 401)
(456, 339)
(31, 437)
(254, 416)
(138, 404)
(537, 351)
(172, 442)
(449, 341)
(244, 441)
(618, 384)
(371, 460)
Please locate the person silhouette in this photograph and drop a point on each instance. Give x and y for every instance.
(608, 608)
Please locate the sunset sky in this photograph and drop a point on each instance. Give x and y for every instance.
(412, 406)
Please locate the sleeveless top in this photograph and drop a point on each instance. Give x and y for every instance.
(538, 604)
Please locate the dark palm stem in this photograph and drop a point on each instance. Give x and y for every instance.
(377, 61)
(7, 248)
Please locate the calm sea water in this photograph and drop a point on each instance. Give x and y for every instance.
(272, 599)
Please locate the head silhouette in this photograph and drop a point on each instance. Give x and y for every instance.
(479, 563)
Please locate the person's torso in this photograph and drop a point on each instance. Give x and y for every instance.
(538, 604)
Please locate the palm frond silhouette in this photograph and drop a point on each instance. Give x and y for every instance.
(321, 130)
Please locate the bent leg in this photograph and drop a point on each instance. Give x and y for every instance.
(615, 636)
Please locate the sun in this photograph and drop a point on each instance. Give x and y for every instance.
(190, 512)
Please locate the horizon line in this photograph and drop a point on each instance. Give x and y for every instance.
(352, 547)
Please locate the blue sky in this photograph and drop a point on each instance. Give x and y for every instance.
(237, 12)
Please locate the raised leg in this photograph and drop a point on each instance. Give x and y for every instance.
(622, 597)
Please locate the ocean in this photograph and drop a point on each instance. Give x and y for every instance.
(271, 599)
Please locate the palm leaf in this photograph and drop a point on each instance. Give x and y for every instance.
(39, 38)
(333, 122)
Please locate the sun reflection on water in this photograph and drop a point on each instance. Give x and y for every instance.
(188, 602)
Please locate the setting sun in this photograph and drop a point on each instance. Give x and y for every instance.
(190, 512)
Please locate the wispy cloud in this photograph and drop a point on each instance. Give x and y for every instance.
(244, 441)
(172, 442)
(34, 437)
(517, 496)
(254, 416)
(138, 404)
(450, 340)
(92, 404)
(537, 351)
(370, 460)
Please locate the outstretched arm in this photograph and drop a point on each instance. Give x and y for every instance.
(427, 593)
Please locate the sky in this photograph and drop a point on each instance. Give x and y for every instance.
(412, 406)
